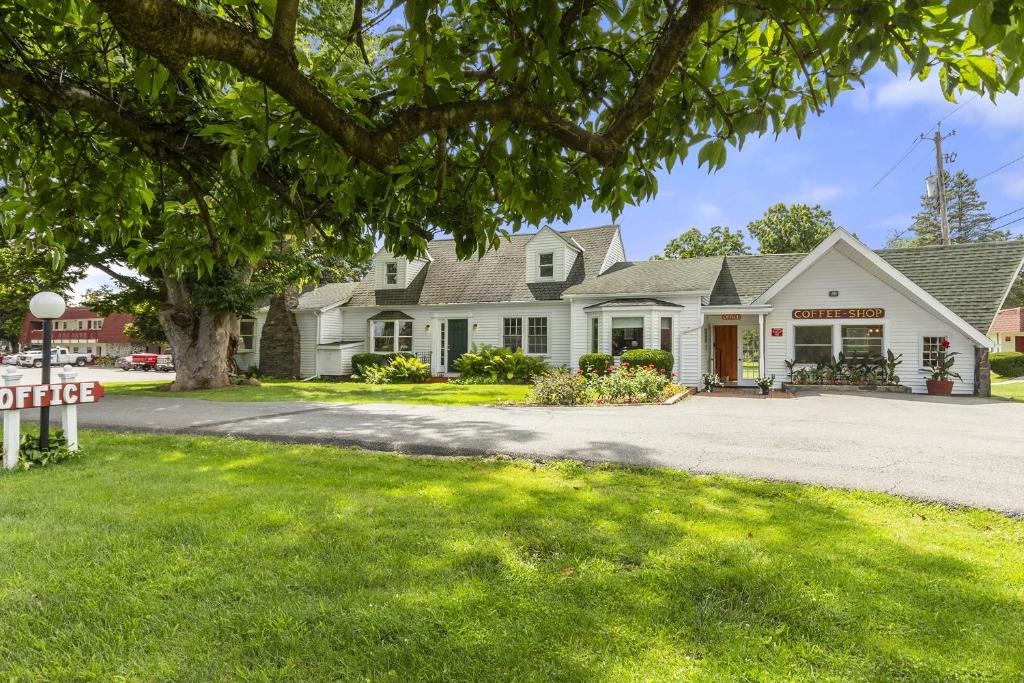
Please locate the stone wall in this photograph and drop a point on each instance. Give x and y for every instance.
(279, 343)
(982, 373)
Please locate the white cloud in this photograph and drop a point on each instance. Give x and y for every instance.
(899, 92)
(817, 193)
(708, 211)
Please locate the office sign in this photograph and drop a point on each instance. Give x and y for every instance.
(25, 396)
(838, 313)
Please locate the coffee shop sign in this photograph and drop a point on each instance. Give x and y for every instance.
(837, 313)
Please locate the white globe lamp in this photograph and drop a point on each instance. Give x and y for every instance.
(47, 306)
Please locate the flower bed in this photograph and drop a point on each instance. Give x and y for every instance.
(621, 384)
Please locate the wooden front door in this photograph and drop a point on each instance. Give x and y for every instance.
(726, 352)
(458, 341)
(1019, 344)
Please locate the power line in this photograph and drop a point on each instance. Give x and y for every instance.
(996, 170)
(958, 108)
(913, 146)
(1015, 220)
(1008, 213)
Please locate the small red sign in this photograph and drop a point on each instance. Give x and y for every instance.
(24, 396)
(776, 331)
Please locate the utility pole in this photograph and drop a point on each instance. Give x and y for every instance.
(943, 217)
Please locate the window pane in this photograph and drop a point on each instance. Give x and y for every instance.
(627, 322)
(384, 335)
(666, 334)
(862, 340)
(626, 338)
(595, 336)
(537, 328)
(547, 265)
(929, 350)
(391, 273)
(405, 343)
(512, 333)
(405, 328)
(812, 344)
(547, 259)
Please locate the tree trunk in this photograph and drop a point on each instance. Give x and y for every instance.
(203, 343)
(279, 341)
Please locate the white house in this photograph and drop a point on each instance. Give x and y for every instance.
(561, 294)
(1007, 330)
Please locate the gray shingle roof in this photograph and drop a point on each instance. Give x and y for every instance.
(970, 279)
(744, 278)
(391, 315)
(497, 276)
(652, 277)
(327, 295)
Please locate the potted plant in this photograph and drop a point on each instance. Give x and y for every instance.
(941, 383)
(711, 380)
(765, 384)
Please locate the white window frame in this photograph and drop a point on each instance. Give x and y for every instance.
(522, 335)
(643, 317)
(527, 335)
(387, 274)
(792, 340)
(594, 332)
(243, 346)
(920, 348)
(861, 324)
(396, 335)
(541, 265)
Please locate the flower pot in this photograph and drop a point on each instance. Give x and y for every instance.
(938, 387)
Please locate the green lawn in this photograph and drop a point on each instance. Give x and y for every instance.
(186, 558)
(342, 392)
(1013, 391)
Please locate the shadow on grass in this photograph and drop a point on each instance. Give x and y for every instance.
(193, 558)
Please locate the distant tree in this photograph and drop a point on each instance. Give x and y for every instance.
(794, 228)
(140, 298)
(719, 241)
(23, 272)
(1015, 297)
(969, 219)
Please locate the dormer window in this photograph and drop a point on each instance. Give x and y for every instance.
(391, 273)
(547, 264)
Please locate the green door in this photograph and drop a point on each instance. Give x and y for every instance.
(458, 341)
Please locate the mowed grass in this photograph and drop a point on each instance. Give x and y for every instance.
(340, 392)
(187, 558)
(1013, 391)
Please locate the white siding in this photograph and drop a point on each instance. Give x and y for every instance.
(331, 326)
(307, 323)
(247, 359)
(616, 252)
(904, 324)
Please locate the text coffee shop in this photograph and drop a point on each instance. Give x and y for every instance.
(921, 304)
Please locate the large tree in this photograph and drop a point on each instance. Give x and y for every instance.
(24, 271)
(188, 138)
(794, 228)
(718, 241)
(967, 213)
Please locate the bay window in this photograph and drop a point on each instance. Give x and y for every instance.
(595, 334)
(627, 334)
(812, 344)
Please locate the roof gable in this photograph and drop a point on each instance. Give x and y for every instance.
(1009, 320)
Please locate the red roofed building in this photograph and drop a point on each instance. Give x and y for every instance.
(1007, 330)
(85, 331)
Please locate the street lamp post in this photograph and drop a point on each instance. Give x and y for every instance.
(47, 306)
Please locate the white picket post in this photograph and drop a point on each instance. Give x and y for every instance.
(12, 426)
(69, 412)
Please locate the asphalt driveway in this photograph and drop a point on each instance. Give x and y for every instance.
(956, 450)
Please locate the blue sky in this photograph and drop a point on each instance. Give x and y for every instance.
(837, 159)
(834, 163)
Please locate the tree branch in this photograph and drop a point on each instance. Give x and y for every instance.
(285, 18)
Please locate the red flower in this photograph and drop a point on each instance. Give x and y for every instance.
(945, 343)
(625, 365)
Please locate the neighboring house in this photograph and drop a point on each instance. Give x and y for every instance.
(85, 331)
(559, 295)
(1007, 331)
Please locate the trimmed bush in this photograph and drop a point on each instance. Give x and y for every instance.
(402, 369)
(1007, 363)
(361, 361)
(661, 360)
(595, 363)
(499, 365)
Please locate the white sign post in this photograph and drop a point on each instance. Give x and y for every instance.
(67, 394)
(12, 426)
(69, 412)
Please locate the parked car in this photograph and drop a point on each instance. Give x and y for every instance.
(10, 359)
(58, 356)
(147, 362)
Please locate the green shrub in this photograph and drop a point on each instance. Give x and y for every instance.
(632, 384)
(30, 455)
(1007, 363)
(499, 365)
(595, 363)
(361, 361)
(561, 388)
(661, 360)
(402, 369)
